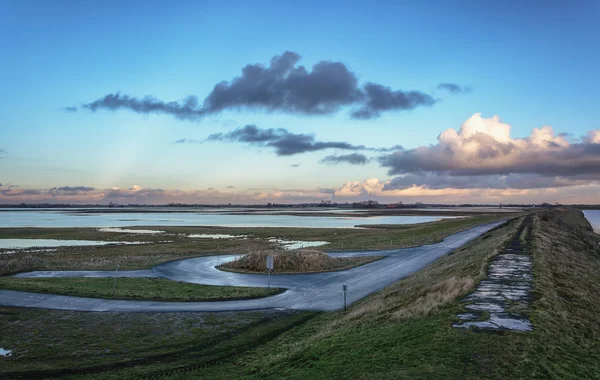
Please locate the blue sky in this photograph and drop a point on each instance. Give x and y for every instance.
(532, 63)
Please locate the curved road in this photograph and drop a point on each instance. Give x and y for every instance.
(316, 291)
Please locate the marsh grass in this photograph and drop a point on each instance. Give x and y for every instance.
(294, 261)
(174, 243)
(405, 330)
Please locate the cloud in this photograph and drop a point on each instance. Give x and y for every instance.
(70, 109)
(230, 187)
(512, 181)
(353, 159)
(19, 193)
(454, 88)
(484, 147)
(295, 165)
(384, 191)
(75, 188)
(281, 86)
(144, 195)
(284, 142)
(186, 109)
(187, 141)
(379, 98)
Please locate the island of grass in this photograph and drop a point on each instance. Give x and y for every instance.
(149, 289)
(296, 261)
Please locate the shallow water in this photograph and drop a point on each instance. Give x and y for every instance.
(216, 236)
(4, 352)
(33, 243)
(593, 216)
(127, 231)
(295, 244)
(68, 219)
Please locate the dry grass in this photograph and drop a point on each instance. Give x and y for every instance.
(418, 295)
(296, 261)
(19, 263)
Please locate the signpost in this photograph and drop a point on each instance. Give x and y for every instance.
(270, 265)
(345, 290)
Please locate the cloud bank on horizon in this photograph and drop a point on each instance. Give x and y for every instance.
(479, 159)
(282, 86)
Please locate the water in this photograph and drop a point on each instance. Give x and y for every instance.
(69, 219)
(593, 216)
(216, 236)
(126, 231)
(4, 352)
(34, 243)
(295, 244)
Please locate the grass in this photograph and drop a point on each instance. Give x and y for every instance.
(153, 289)
(175, 245)
(48, 343)
(405, 331)
(296, 261)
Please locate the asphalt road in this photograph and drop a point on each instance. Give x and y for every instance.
(316, 291)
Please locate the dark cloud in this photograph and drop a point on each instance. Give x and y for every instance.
(2, 151)
(295, 165)
(353, 159)
(435, 181)
(230, 187)
(497, 158)
(186, 109)
(284, 142)
(70, 109)
(484, 147)
(75, 188)
(326, 191)
(454, 88)
(379, 98)
(282, 86)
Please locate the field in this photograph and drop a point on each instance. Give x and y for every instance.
(175, 243)
(403, 331)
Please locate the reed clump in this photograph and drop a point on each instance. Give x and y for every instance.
(295, 261)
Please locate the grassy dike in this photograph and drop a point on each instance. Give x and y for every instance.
(404, 331)
(152, 289)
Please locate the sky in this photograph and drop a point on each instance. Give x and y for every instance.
(252, 102)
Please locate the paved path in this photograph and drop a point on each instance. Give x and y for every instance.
(317, 291)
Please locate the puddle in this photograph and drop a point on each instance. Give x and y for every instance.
(36, 243)
(216, 236)
(296, 244)
(4, 352)
(128, 231)
(509, 283)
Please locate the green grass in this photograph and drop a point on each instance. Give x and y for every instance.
(405, 331)
(134, 289)
(47, 342)
(402, 332)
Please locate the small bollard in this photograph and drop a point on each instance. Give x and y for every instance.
(345, 290)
